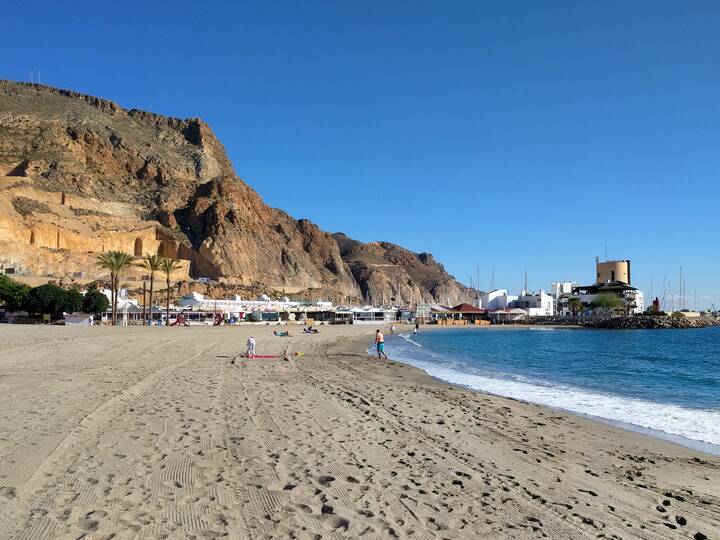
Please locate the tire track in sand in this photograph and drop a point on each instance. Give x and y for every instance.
(61, 458)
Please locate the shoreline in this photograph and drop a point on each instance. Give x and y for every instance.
(708, 449)
(704, 447)
(153, 432)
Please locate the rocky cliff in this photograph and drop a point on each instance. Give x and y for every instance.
(386, 272)
(80, 175)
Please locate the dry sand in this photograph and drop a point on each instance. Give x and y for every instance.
(153, 433)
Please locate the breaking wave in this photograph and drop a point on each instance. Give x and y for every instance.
(662, 418)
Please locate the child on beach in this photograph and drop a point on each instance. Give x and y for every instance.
(380, 345)
(250, 353)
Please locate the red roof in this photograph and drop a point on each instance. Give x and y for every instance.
(467, 308)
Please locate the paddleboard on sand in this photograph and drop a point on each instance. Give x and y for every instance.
(256, 356)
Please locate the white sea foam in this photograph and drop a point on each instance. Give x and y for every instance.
(698, 425)
(409, 339)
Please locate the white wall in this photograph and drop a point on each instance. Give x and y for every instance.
(561, 288)
(540, 304)
(497, 299)
(85, 320)
(639, 302)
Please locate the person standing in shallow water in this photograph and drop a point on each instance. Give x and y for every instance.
(417, 327)
(380, 345)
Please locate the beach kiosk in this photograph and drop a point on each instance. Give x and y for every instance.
(79, 319)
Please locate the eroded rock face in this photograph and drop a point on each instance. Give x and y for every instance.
(79, 175)
(387, 273)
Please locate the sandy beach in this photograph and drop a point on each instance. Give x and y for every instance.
(154, 433)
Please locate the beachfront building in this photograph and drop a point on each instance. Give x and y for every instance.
(496, 299)
(460, 314)
(424, 312)
(562, 295)
(633, 300)
(535, 305)
(128, 310)
(264, 309)
(365, 315)
(198, 302)
(437, 313)
(79, 319)
(612, 278)
(508, 316)
(505, 306)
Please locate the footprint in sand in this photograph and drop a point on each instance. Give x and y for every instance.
(326, 480)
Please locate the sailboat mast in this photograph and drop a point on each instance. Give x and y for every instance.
(680, 287)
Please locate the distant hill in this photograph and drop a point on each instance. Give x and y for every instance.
(80, 175)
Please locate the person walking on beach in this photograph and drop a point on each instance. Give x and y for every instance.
(392, 329)
(250, 353)
(380, 345)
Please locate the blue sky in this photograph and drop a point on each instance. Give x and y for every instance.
(508, 135)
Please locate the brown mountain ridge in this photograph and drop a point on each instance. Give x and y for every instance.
(80, 175)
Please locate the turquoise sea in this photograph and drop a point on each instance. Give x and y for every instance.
(662, 382)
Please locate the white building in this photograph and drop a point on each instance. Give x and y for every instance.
(79, 319)
(123, 302)
(536, 305)
(124, 306)
(612, 278)
(262, 310)
(636, 301)
(496, 299)
(561, 288)
(633, 298)
(197, 302)
(365, 315)
(561, 292)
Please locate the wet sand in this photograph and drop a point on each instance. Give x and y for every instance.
(154, 433)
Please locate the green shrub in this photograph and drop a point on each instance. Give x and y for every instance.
(95, 302)
(608, 302)
(49, 299)
(12, 293)
(73, 301)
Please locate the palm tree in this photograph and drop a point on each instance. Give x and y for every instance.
(575, 305)
(116, 262)
(151, 263)
(167, 267)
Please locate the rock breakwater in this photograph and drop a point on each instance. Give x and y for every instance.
(650, 322)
